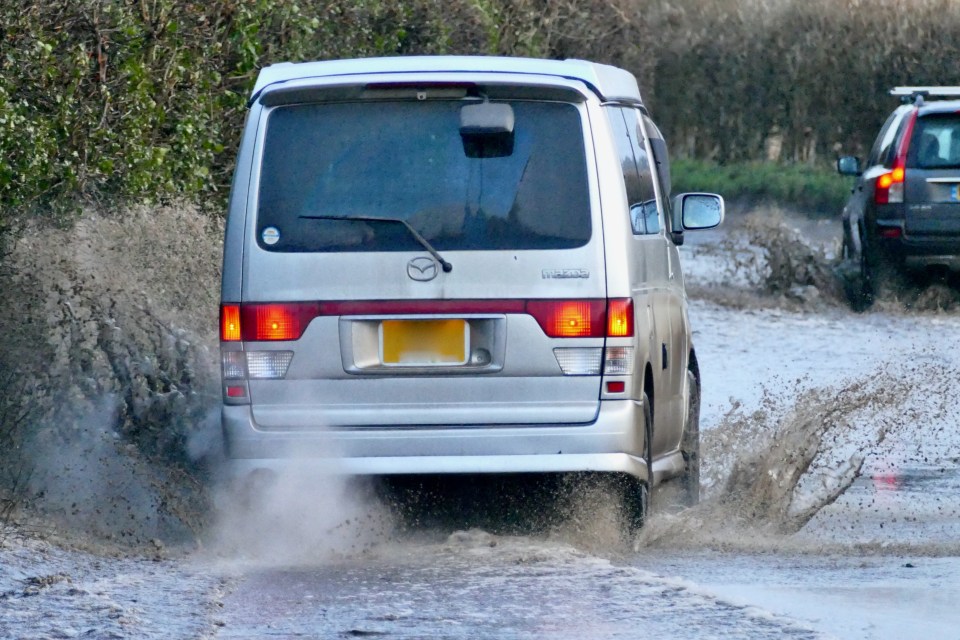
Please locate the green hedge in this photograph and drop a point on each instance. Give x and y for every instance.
(143, 100)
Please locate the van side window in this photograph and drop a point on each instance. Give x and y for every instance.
(647, 205)
(637, 177)
(662, 161)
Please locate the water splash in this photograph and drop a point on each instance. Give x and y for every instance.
(777, 474)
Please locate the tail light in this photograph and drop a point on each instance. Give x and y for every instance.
(276, 321)
(587, 318)
(618, 361)
(234, 365)
(569, 318)
(891, 233)
(268, 365)
(579, 361)
(584, 318)
(889, 187)
(266, 322)
(620, 318)
(230, 322)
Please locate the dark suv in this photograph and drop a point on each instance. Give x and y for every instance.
(904, 213)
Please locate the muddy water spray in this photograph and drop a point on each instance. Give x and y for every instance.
(784, 469)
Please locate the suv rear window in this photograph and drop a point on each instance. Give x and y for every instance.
(936, 142)
(406, 160)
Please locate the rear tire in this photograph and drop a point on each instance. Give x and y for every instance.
(854, 273)
(690, 446)
(635, 503)
(881, 273)
(635, 494)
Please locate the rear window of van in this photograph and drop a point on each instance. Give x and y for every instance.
(407, 161)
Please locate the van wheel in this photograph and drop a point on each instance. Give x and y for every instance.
(690, 446)
(635, 502)
(635, 495)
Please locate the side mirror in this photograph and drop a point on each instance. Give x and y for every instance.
(487, 130)
(699, 210)
(849, 166)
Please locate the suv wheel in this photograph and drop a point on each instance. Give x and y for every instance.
(854, 274)
(862, 290)
(881, 275)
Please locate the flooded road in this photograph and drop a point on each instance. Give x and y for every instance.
(831, 510)
(482, 586)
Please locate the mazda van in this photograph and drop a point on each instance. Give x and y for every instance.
(458, 265)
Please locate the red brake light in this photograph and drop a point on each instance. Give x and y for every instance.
(236, 392)
(278, 321)
(620, 318)
(569, 318)
(230, 322)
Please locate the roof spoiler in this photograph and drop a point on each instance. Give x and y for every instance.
(917, 95)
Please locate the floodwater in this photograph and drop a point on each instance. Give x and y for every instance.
(831, 509)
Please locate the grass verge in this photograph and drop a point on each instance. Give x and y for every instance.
(817, 190)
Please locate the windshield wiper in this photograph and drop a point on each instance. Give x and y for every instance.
(446, 266)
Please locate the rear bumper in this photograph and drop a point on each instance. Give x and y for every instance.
(612, 443)
(433, 465)
(925, 251)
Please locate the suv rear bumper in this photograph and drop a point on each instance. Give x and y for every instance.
(925, 251)
(614, 442)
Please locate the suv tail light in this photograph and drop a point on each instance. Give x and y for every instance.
(889, 188)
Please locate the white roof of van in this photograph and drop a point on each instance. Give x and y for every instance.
(609, 83)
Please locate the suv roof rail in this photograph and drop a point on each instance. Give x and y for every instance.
(919, 94)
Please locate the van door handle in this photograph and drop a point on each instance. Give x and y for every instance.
(663, 353)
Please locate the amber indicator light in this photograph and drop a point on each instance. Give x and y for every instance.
(230, 322)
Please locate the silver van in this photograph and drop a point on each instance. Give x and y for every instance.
(458, 265)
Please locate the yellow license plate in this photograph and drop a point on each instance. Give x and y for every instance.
(424, 342)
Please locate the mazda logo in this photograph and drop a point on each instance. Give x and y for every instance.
(422, 269)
